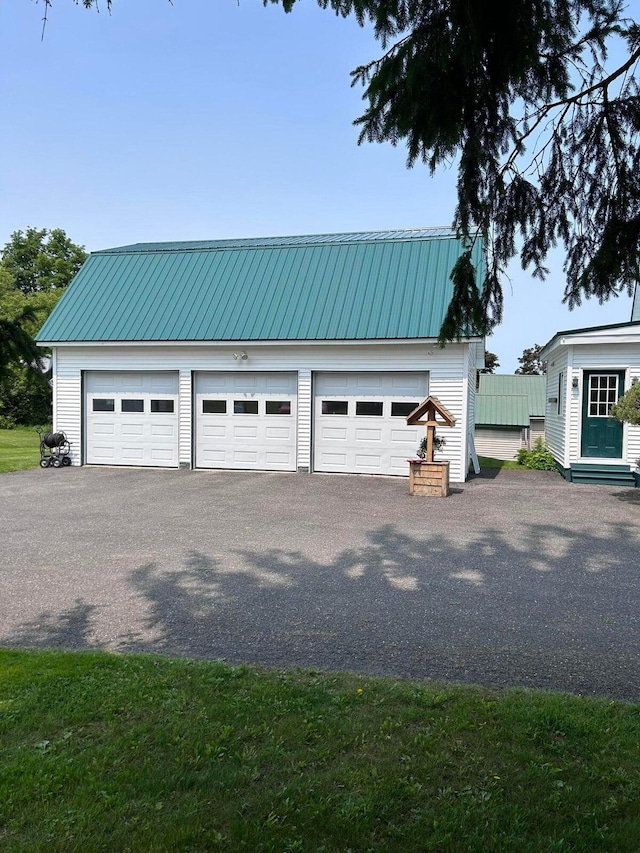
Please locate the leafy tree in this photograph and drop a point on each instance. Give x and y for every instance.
(530, 362)
(490, 362)
(627, 409)
(16, 344)
(39, 259)
(35, 267)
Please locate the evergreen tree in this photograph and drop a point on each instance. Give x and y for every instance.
(627, 409)
(544, 134)
(530, 362)
(491, 362)
(543, 129)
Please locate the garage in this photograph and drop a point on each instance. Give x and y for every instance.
(246, 420)
(131, 418)
(360, 421)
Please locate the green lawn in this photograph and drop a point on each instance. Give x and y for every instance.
(110, 753)
(490, 462)
(19, 449)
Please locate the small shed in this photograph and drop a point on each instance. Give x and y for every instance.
(587, 371)
(510, 412)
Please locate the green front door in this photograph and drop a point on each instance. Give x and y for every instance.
(601, 435)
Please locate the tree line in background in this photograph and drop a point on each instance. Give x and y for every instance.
(36, 266)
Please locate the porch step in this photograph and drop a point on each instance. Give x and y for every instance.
(602, 475)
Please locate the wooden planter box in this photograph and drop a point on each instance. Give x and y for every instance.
(429, 478)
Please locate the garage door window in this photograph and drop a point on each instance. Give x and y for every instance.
(245, 407)
(335, 407)
(214, 407)
(164, 407)
(278, 407)
(132, 406)
(103, 405)
(369, 408)
(401, 410)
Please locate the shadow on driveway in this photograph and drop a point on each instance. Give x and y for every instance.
(464, 589)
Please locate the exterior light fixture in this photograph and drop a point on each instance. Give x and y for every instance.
(240, 355)
(574, 382)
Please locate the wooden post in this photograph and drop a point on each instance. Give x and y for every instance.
(430, 431)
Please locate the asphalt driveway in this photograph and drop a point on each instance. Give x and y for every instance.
(523, 579)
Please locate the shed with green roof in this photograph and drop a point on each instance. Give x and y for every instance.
(281, 353)
(510, 413)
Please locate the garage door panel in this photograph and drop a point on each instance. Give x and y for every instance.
(245, 432)
(246, 420)
(123, 423)
(368, 435)
(372, 429)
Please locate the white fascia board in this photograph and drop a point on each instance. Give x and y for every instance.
(600, 339)
(247, 344)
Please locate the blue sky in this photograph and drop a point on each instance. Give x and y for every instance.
(217, 118)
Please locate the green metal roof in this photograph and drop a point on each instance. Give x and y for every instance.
(363, 286)
(502, 410)
(533, 388)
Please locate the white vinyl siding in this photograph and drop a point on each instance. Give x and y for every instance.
(498, 443)
(536, 430)
(448, 370)
(555, 423)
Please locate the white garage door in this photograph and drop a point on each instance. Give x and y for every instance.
(132, 418)
(246, 420)
(360, 421)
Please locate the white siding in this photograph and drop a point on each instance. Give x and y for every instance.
(449, 369)
(536, 430)
(555, 423)
(67, 407)
(498, 443)
(304, 419)
(184, 418)
(472, 379)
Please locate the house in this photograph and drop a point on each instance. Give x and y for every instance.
(510, 413)
(278, 354)
(587, 371)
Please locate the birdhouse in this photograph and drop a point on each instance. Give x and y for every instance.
(427, 477)
(427, 413)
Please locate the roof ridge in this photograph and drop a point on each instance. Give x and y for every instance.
(292, 240)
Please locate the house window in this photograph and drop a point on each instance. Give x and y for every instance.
(278, 407)
(245, 407)
(214, 407)
(101, 404)
(162, 406)
(335, 407)
(401, 410)
(603, 393)
(369, 408)
(132, 406)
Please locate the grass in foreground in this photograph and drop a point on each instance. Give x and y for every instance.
(19, 449)
(490, 462)
(106, 753)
